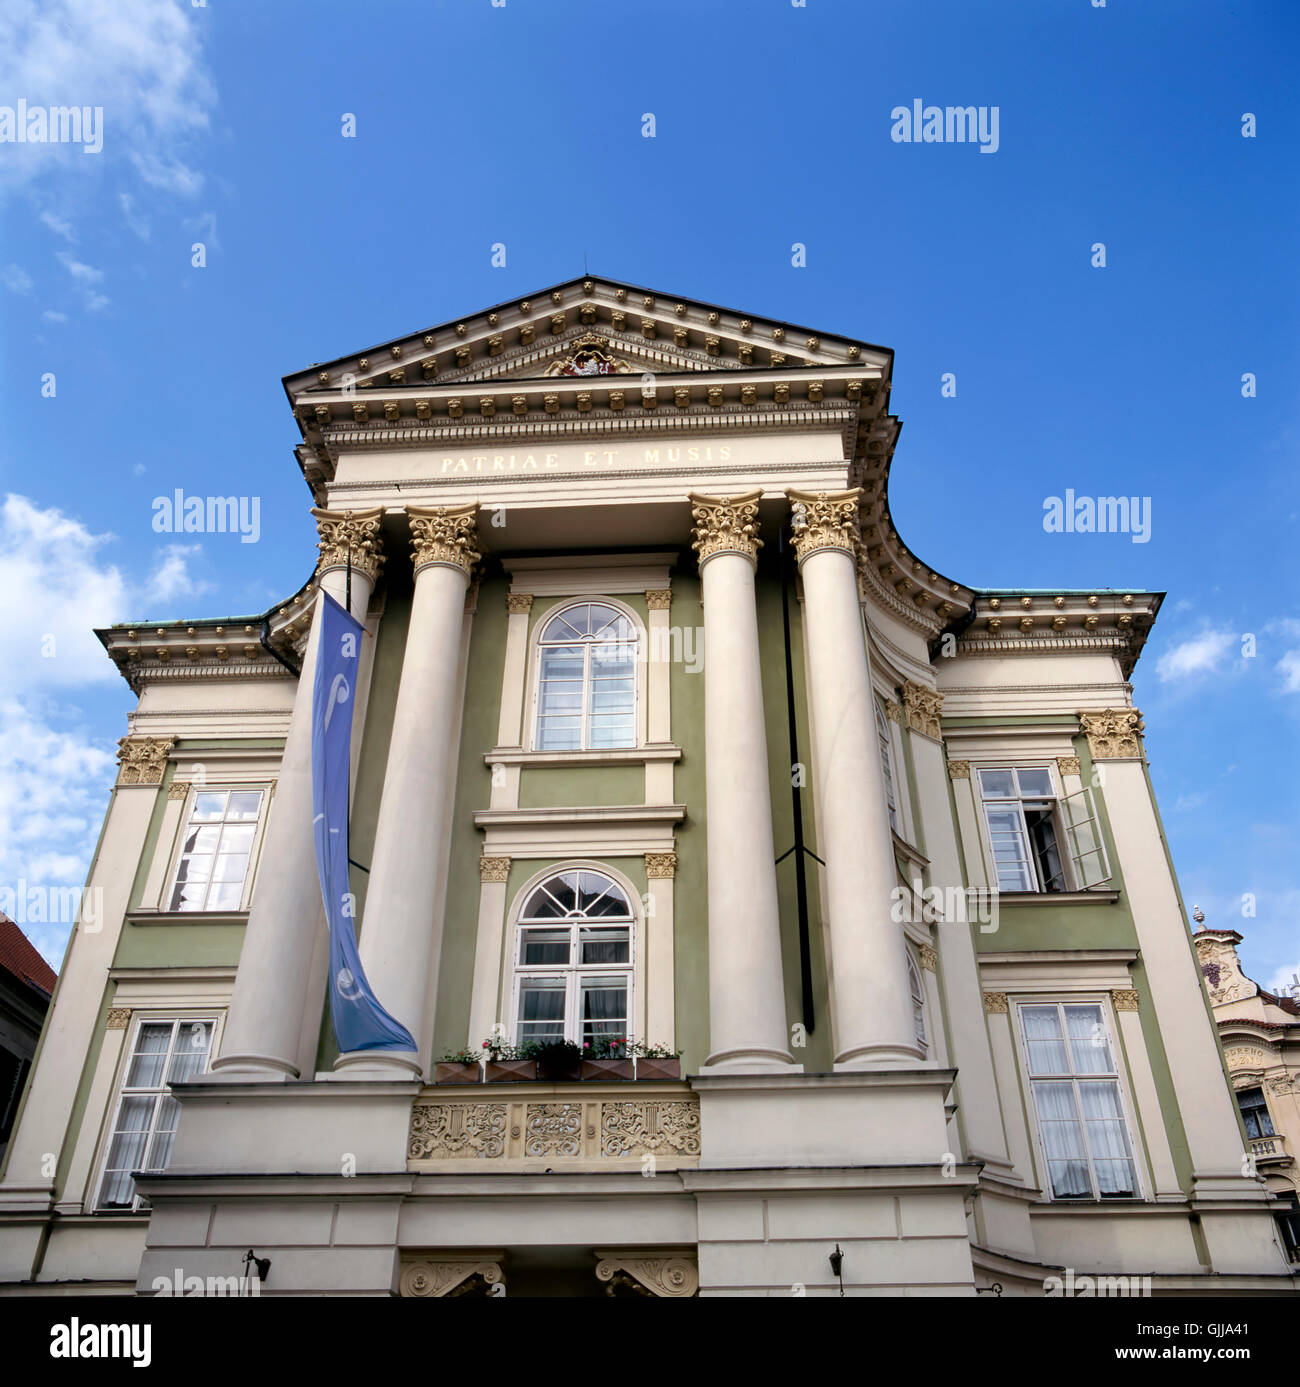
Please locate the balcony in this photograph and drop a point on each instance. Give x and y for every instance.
(1270, 1150)
(536, 1126)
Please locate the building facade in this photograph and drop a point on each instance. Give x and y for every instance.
(26, 986)
(1260, 1032)
(661, 731)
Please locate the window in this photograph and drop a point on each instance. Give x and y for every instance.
(573, 964)
(586, 686)
(1254, 1112)
(918, 1003)
(887, 765)
(1034, 833)
(1074, 1081)
(217, 850)
(144, 1125)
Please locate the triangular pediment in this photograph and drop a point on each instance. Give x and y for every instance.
(545, 334)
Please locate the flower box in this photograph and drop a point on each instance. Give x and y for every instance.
(503, 1071)
(608, 1069)
(659, 1068)
(454, 1073)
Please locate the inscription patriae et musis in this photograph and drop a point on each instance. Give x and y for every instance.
(597, 459)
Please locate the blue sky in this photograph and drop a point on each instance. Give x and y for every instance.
(479, 123)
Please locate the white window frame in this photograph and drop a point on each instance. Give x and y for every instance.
(267, 788)
(573, 973)
(535, 681)
(917, 987)
(1137, 1149)
(1063, 827)
(140, 1019)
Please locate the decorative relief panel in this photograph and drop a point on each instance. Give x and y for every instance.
(434, 1279)
(1115, 734)
(1247, 1056)
(673, 1275)
(454, 1131)
(142, 760)
(588, 1125)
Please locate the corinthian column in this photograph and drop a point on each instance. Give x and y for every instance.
(747, 1023)
(401, 932)
(263, 1036)
(871, 1005)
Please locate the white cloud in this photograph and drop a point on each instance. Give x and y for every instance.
(51, 316)
(17, 280)
(79, 270)
(132, 218)
(58, 225)
(56, 583)
(170, 175)
(1200, 654)
(96, 303)
(1289, 668)
(139, 60)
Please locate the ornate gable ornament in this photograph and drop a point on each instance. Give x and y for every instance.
(590, 357)
(1114, 734)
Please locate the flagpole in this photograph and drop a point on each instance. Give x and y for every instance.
(348, 591)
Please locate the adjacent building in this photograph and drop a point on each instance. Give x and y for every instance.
(662, 731)
(26, 984)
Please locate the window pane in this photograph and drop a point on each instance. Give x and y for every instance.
(244, 804)
(542, 904)
(544, 946)
(1010, 850)
(997, 784)
(605, 946)
(1062, 1136)
(190, 1053)
(202, 840)
(1035, 781)
(563, 662)
(559, 734)
(605, 731)
(209, 805)
(541, 1009)
(230, 867)
(150, 1055)
(604, 1008)
(1089, 1041)
(1043, 1040)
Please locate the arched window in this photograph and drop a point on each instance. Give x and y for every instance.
(918, 1003)
(573, 959)
(887, 765)
(586, 683)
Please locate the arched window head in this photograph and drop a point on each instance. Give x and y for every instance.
(586, 685)
(887, 765)
(573, 960)
(918, 1003)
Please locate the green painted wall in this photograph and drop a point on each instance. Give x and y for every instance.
(581, 785)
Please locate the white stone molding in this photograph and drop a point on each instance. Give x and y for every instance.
(557, 831)
(589, 575)
(667, 1275)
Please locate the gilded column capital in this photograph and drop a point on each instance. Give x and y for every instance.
(1124, 998)
(354, 532)
(725, 525)
(1068, 765)
(493, 869)
(178, 789)
(996, 1004)
(929, 958)
(142, 760)
(444, 535)
(661, 865)
(958, 770)
(1114, 734)
(519, 603)
(825, 520)
(922, 707)
(119, 1018)
(893, 711)
(658, 599)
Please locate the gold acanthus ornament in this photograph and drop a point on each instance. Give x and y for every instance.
(142, 760)
(825, 520)
(922, 708)
(1114, 734)
(725, 525)
(445, 535)
(350, 534)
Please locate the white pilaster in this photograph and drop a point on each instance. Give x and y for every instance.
(264, 1034)
(747, 1022)
(659, 1009)
(401, 934)
(493, 875)
(871, 1008)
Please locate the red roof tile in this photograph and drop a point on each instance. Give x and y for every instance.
(18, 956)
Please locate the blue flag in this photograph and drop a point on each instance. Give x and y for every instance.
(360, 1023)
